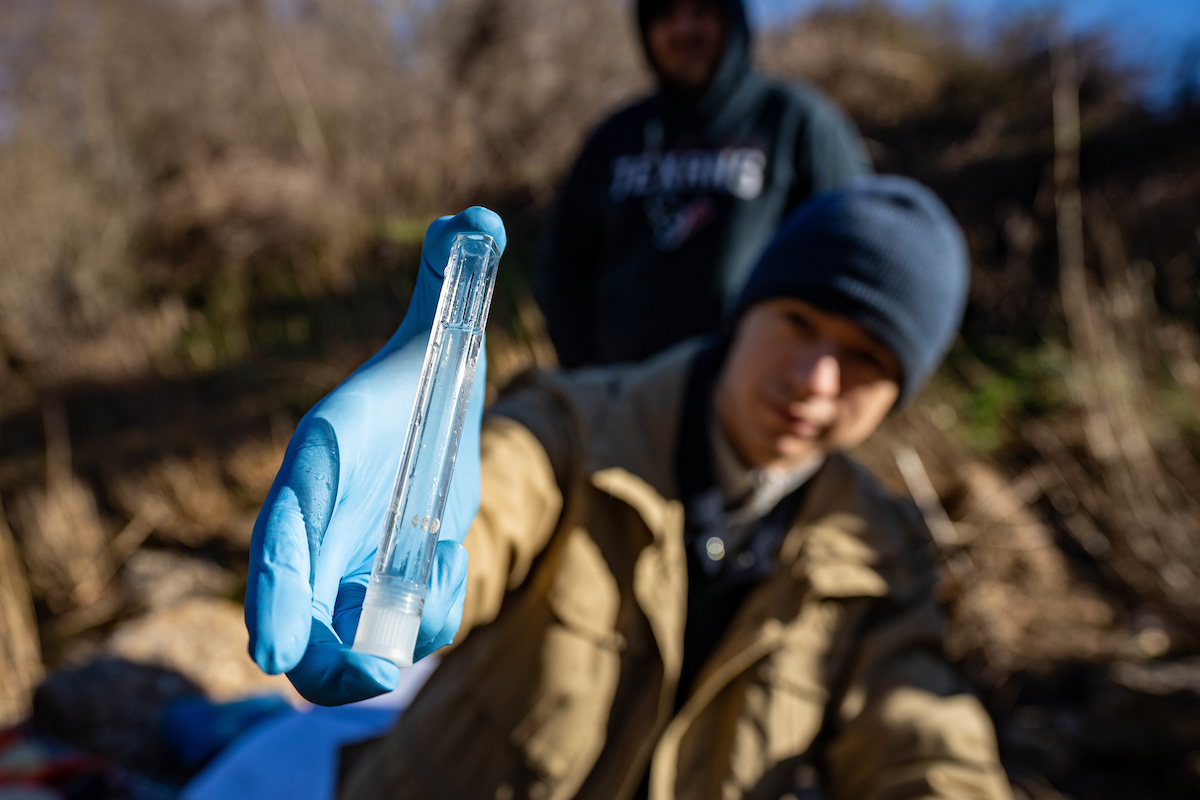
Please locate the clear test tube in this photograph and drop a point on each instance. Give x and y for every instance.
(391, 615)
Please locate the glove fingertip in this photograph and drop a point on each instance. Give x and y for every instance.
(273, 659)
(378, 675)
(333, 675)
(454, 559)
(486, 221)
(277, 622)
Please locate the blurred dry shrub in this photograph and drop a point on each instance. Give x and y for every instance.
(1013, 599)
(879, 66)
(205, 640)
(251, 467)
(66, 544)
(215, 149)
(63, 244)
(518, 83)
(193, 502)
(179, 176)
(158, 578)
(20, 651)
(225, 215)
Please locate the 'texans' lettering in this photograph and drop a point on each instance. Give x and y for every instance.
(736, 170)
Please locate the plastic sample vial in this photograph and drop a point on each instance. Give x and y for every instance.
(391, 615)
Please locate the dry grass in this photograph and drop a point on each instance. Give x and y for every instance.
(20, 653)
(210, 212)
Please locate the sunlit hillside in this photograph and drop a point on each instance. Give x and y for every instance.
(211, 211)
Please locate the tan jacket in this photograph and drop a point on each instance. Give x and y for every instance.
(576, 598)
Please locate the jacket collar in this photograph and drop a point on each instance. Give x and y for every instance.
(850, 537)
(640, 432)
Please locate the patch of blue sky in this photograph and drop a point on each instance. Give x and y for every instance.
(1159, 38)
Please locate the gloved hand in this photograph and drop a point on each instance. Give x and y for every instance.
(315, 538)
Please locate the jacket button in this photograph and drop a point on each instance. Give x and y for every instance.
(805, 777)
(715, 548)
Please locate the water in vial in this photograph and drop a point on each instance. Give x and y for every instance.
(396, 593)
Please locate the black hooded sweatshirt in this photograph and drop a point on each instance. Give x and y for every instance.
(673, 199)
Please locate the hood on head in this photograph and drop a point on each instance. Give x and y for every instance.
(735, 60)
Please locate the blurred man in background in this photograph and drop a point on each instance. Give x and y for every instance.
(674, 197)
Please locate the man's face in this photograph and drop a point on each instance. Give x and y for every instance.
(799, 381)
(686, 42)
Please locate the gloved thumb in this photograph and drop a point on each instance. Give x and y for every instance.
(435, 252)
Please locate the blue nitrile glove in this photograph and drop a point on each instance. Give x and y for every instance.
(315, 539)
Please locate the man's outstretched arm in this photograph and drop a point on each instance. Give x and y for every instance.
(316, 536)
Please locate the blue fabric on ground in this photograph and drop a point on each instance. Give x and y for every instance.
(196, 727)
(294, 755)
(290, 757)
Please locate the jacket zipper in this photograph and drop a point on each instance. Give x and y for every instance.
(666, 753)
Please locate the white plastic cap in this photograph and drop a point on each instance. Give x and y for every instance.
(389, 633)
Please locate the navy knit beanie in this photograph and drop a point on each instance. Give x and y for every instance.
(882, 251)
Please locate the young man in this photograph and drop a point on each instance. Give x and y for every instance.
(678, 585)
(674, 197)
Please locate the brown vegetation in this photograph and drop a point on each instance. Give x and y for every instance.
(210, 212)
